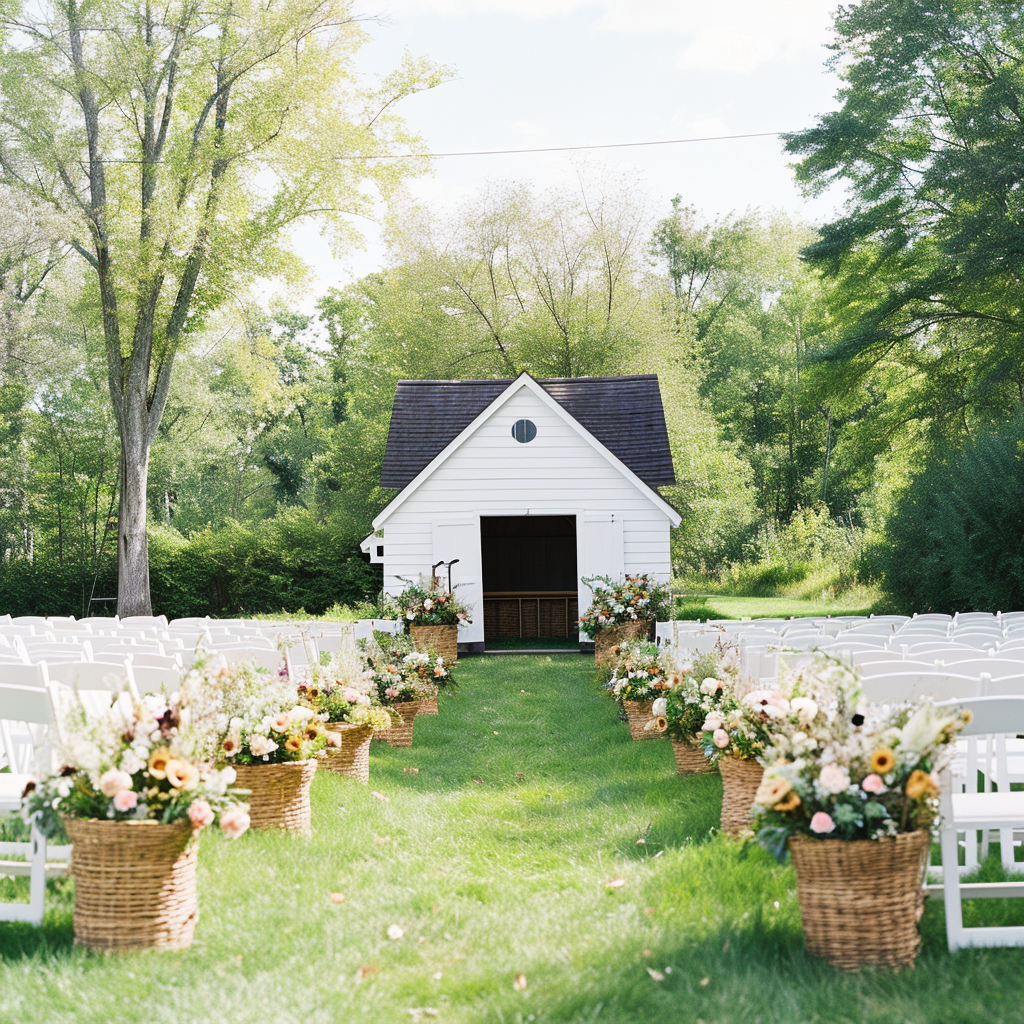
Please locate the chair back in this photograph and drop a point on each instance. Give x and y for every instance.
(90, 675)
(896, 687)
(34, 676)
(992, 716)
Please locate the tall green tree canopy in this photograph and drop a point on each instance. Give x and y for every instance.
(177, 144)
(929, 139)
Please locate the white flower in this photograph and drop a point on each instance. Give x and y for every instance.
(659, 707)
(834, 779)
(131, 762)
(395, 932)
(300, 714)
(260, 746)
(113, 782)
(710, 686)
(805, 708)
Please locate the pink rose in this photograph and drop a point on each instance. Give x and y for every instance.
(126, 800)
(352, 696)
(822, 823)
(234, 821)
(113, 782)
(712, 722)
(200, 813)
(721, 738)
(873, 784)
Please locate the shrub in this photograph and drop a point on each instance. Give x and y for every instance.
(955, 539)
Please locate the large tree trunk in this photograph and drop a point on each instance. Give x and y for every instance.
(132, 542)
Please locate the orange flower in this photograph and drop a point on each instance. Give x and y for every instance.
(182, 775)
(883, 761)
(921, 785)
(158, 763)
(293, 744)
(790, 802)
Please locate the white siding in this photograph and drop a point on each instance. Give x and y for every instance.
(559, 472)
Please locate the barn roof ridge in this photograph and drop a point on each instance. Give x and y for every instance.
(624, 413)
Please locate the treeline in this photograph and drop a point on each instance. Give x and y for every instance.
(843, 402)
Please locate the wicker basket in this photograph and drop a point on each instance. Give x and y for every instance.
(135, 884)
(690, 759)
(638, 714)
(740, 779)
(860, 901)
(429, 706)
(611, 636)
(353, 758)
(400, 733)
(443, 640)
(279, 794)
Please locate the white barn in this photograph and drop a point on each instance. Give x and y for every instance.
(527, 486)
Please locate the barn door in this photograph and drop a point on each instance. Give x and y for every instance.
(599, 549)
(459, 537)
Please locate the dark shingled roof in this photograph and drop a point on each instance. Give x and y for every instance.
(624, 413)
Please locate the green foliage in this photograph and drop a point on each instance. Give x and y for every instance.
(291, 562)
(955, 540)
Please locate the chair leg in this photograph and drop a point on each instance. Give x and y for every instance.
(37, 880)
(951, 887)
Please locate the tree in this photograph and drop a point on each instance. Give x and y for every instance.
(929, 139)
(178, 144)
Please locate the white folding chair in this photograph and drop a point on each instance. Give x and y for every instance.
(29, 704)
(91, 675)
(974, 812)
(897, 687)
(144, 621)
(154, 680)
(270, 660)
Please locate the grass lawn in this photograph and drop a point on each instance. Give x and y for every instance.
(724, 606)
(493, 859)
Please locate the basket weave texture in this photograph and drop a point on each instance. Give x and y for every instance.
(429, 706)
(400, 733)
(444, 640)
(860, 901)
(690, 759)
(638, 714)
(135, 884)
(740, 779)
(611, 636)
(280, 794)
(353, 758)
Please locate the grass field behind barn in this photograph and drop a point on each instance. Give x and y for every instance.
(494, 860)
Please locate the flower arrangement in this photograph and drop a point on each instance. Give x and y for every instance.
(427, 603)
(140, 760)
(638, 598)
(642, 672)
(258, 717)
(402, 674)
(344, 692)
(838, 769)
(697, 691)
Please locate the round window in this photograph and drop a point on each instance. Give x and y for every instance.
(524, 431)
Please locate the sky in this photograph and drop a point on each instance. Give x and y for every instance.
(535, 73)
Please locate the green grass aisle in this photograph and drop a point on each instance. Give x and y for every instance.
(493, 861)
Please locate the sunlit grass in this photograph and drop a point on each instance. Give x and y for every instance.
(493, 860)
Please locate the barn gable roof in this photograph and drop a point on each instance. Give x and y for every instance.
(524, 380)
(624, 413)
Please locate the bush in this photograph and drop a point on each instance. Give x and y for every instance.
(955, 539)
(289, 563)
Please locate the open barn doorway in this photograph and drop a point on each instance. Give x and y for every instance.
(529, 581)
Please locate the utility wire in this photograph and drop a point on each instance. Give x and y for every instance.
(562, 149)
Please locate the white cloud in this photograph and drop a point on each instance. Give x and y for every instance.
(529, 130)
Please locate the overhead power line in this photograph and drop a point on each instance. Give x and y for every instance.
(561, 149)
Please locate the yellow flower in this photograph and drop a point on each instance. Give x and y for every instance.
(772, 789)
(883, 761)
(181, 775)
(158, 763)
(293, 744)
(790, 802)
(921, 785)
(661, 723)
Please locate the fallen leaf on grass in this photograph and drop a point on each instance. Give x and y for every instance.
(381, 796)
(704, 982)
(520, 775)
(656, 975)
(337, 897)
(395, 932)
(366, 970)
(478, 780)
(418, 1013)
(382, 840)
(646, 952)
(495, 732)
(615, 883)
(641, 842)
(648, 910)
(239, 958)
(520, 983)
(411, 771)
